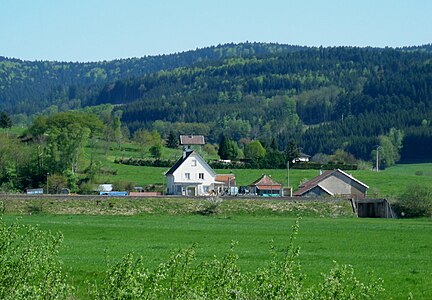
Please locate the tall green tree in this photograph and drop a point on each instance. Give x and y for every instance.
(172, 140)
(254, 150)
(228, 149)
(291, 151)
(224, 146)
(5, 121)
(63, 136)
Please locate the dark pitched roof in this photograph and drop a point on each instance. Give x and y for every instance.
(265, 181)
(179, 163)
(308, 185)
(304, 155)
(192, 140)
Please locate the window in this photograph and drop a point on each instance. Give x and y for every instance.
(194, 162)
(201, 175)
(187, 175)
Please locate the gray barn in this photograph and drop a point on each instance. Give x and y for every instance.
(333, 183)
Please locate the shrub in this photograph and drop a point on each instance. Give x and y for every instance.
(416, 201)
(29, 267)
(210, 206)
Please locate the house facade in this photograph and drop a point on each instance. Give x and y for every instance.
(333, 183)
(190, 176)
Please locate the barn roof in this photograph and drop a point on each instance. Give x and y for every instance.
(192, 140)
(316, 180)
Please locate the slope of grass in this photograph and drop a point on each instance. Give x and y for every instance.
(397, 250)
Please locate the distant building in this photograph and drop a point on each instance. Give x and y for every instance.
(189, 140)
(190, 176)
(225, 184)
(265, 186)
(105, 187)
(302, 158)
(34, 191)
(333, 183)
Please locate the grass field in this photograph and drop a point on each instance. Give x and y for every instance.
(396, 250)
(387, 183)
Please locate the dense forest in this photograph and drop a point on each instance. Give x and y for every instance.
(27, 87)
(356, 100)
(324, 98)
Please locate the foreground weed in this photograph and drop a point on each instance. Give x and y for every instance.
(29, 265)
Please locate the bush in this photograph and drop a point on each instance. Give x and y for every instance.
(123, 186)
(416, 201)
(29, 266)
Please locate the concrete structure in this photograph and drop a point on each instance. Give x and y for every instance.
(372, 208)
(190, 176)
(265, 186)
(333, 183)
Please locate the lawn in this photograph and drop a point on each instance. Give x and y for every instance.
(396, 250)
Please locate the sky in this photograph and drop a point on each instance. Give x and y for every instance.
(96, 30)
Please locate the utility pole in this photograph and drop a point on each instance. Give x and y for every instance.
(47, 184)
(377, 158)
(288, 177)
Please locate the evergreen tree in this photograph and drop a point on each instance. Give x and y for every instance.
(291, 151)
(172, 141)
(5, 121)
(224, 146)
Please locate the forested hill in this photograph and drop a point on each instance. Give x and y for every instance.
(347, 97)
(31, 86)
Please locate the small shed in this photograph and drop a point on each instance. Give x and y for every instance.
(372, 208)
(265, 186)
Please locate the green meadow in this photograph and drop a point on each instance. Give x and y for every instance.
(398, 251)
(386, 183)
(389, 183)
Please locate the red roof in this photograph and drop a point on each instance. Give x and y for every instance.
(269, 187)
(265, 181)
(227, 179)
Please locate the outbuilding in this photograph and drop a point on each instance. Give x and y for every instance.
(333, 183)
(265, 186)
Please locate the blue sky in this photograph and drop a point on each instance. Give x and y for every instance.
(94, 30)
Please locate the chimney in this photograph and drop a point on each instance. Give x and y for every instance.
(186, 150)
